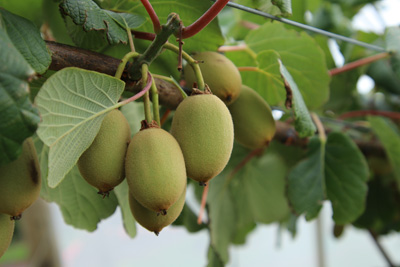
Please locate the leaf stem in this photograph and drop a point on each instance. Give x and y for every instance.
(248, 69)
(121, 66)
(320, 127)
(204, 20)
(153, 16)
(138, 95)
(203, 204)
(129, 33)
(359, 63)
(146, 98)
(154, 98)
(193, 63)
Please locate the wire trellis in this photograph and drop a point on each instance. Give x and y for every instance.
(306, 27)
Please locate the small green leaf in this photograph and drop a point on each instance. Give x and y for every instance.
(346, 174)
(188, 219)
(26, 38)
(305, 60)
(306, 181)
(73, 103)
(79, 202)
(122, 193)
(88, 14)
(390, 139)
(303, 123)
(222, 216)
(18, 118)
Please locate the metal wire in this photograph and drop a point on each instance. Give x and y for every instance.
(306, 27)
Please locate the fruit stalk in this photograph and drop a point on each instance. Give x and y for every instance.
(154, 98)
(146, 98)
(121, 66)
(191, 61)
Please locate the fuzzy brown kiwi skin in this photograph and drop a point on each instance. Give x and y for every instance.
(102, 165)
(221, 75)
(252, 119)
(6, 232)
(20, 181)
(151, 220)
(155, 169)
(203, 127)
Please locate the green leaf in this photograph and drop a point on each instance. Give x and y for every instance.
(306, 181)
(392, 39)
(188, 219)
(122, 193)
(79, 202)
(390, 139)
(18, 118)
(26, 38)
(346, 175)
(213, 258)
(305, 60)
(222, 215)
(303, 123)
(88, 14)
(72, 104)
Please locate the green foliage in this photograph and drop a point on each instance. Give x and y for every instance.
(292, 177)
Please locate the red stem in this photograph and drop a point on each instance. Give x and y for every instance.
(252, 154)
(144, 35)
(358, 63)
(141, 93)
(204, 20)
(203, 204)
(153, 15)
(361, 113)
(165, 116)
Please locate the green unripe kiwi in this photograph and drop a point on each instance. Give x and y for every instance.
(203, 127)
(6, 232)
(153, 221)
(155, 169)
(219, 73)
(252, 119)
(103, 163)
(20, 181)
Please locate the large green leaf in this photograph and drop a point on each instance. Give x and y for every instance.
(306, 181)
(87, 15)
(302, 56)
(390, 138)
(18, 118)
(26, 38)
(79, 202)
(346, 174)
(73, 103)
(122, 193)
(303, 123)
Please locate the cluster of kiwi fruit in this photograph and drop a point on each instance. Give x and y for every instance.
(20, 183)
(156, 163)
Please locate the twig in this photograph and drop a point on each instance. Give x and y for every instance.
(380, 248)
(204, 20)
(153, 15)
(359, 63)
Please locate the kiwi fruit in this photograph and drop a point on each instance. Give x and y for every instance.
(20, 181)
(252, 119)
(155, 169)
(6, 232)
(103, 164)
(219, 73)
(203, 127)
(153, 221)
